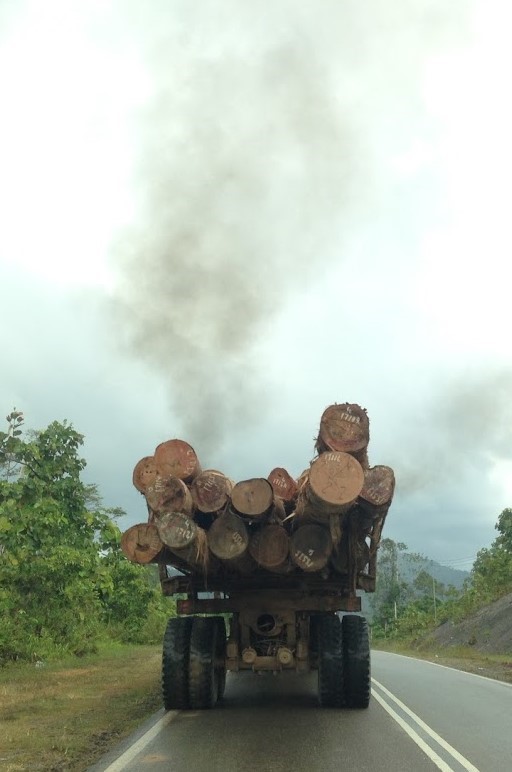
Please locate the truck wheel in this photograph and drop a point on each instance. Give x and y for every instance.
(313, 641)
(203, 683)
(330, 662)
(175, 656)
(220, 657)
(356, 654)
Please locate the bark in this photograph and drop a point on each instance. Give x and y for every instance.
(141, 543)
(228, 537)
(144, 473)
(253, 499)
(278, 512)
(269, 546)
(211, 490)
(197, 555)
(340, 557)
(311, 547)
(176, 458)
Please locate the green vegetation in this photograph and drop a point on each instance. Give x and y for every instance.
(64, 584)
(408, 611)
(67, 714)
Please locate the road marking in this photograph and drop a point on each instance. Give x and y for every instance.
(120, 763)
(438, 761)
(410, 731)
(449, 667)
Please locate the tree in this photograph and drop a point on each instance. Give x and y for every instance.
(504, 526)
(491, 575)
(60, 565)
(391, 590)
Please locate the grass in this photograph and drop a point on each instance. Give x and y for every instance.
(498, 666)
(64, 716)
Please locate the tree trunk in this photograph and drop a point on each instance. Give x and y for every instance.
(253, 499)
(311, 547)
(141, 543)
(344, 428)
(277, 514)
(211, 490)
(378, 489)
(144, 473)
(176, 529)
(269, 546)
(283, 484)
(334, 483)
(169, 495)
(197, 554)
(228, 537)
(176, 458)
(340, 557)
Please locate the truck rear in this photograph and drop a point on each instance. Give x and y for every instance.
(268, 572)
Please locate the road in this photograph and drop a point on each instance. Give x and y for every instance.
(421, 717)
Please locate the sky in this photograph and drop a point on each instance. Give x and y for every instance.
(219, 218)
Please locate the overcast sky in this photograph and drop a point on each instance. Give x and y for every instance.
(218, 218)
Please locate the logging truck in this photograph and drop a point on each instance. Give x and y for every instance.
(267, 572)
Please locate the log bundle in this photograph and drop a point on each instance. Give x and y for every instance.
(328, 521)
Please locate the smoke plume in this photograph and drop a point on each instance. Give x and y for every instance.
(263, 145)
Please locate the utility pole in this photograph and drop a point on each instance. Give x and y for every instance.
(434, 596)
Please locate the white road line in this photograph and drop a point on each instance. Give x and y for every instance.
(438, 761)
(452, 668)
(439, 740)
(120, 763)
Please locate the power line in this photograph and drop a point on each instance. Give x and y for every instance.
(449, 561)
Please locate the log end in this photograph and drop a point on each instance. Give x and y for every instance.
(343, 427)
(144, 473)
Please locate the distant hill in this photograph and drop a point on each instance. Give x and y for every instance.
(410, 565)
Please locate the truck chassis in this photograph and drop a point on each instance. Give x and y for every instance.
(264, 630)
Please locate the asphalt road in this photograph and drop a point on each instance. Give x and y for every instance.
(421, 717)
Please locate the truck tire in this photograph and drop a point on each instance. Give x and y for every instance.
(330, 662)
(356, 655)
(203, 681)
(220, 657)
(313, 641)
(175, 660)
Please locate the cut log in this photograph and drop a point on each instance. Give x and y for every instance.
(335, 481)
(253, 499)
(285, 487)
(344, 428)
(176, 458)
(340, 558)
(176, 529)
(378, 489)
(269, 546)
(141, 543)
(228, 537)
(211, 490)
(197, 555)
(278, 513)
(244, 565)
(169, 495)
(311, 547)
(144, 473)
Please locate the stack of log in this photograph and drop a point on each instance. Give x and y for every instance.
(328, 521)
